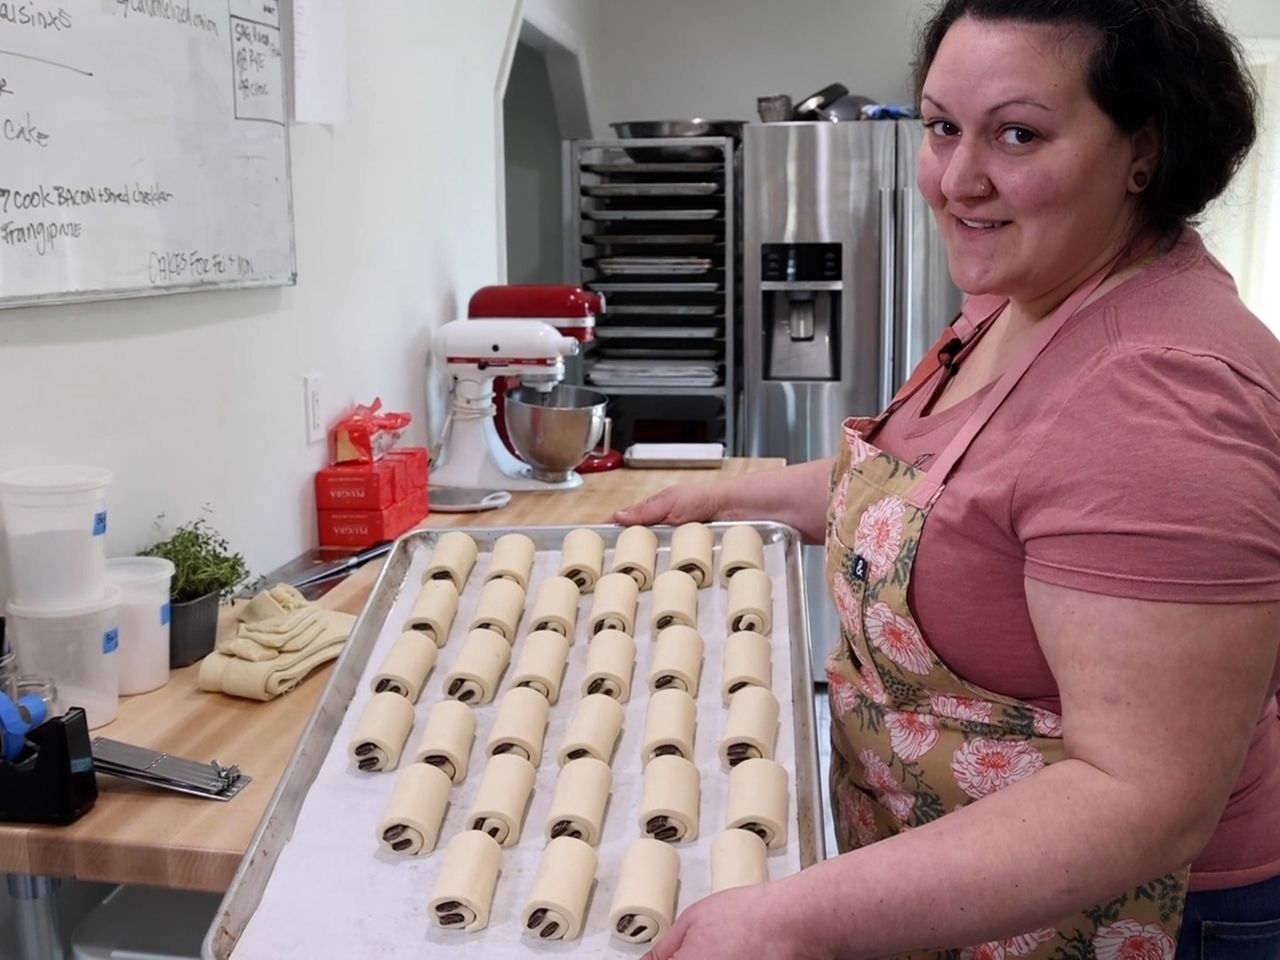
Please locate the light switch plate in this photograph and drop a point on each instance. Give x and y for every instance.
(311, 397)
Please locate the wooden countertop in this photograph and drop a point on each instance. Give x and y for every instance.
(137, 834)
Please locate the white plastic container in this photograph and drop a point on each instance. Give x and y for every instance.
(144, 621)
(55, 519)
(75, 647)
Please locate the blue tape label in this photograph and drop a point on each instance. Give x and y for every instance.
(165, 613)
(100, 523)
(110, 640)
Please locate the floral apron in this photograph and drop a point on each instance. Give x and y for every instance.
(911, 740)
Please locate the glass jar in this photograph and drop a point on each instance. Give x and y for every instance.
(9, 674)
(42, 687)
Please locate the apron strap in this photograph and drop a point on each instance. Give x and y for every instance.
(953, 339)
(938, 472)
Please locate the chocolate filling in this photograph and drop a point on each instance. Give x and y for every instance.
(443, 763)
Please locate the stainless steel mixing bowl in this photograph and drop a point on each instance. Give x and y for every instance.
(646, 129)
(554, 431)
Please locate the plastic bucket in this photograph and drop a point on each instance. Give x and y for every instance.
(75, 647)
(54, 520)
(144, 621)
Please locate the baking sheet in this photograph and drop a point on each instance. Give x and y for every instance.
(650, 189)
(699, 214)
(331, 867)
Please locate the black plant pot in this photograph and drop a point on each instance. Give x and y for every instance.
(193, 627)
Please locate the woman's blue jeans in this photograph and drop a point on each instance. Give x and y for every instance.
(1240, 923)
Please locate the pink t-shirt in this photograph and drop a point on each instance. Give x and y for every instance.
(1138, 457)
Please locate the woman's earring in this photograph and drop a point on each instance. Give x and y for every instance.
(1140, 179)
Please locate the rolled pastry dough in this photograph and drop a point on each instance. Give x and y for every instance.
(670, 725)
(677, 660)
(556, 607)
(692, 546)
(475, 674)
(381, 732)
(407, 664)
(505, 788)
(669, 808)
(611, 659)
(748, 661)
(739, 858)
(541, 663)
(433, 611)
(446, 742)
(452, 559)
(582, 793)
(750, 602)
(582, 558)
(521, 725)
(675, 600)
(740, 549)
(464, 887)
(410, 823)
(512, 559)
(499, 608)
(644, 902)
(594, 729)
(636, 554)
(557, 901)
(758, 801)
(613, 607)
(751, 729)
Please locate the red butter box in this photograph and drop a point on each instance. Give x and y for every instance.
(360, 486)
(415, 461)
(364, 528)
(415, 508)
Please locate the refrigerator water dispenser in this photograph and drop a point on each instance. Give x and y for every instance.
(800, 293)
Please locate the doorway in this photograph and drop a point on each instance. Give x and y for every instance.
(544, 104)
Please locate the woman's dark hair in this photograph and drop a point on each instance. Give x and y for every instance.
(1170, 60)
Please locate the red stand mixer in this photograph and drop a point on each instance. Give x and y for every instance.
(571, 310)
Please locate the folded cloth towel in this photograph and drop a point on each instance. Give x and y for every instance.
(265, 639)
(267, 679)
(289, 632)
(244, 649)
(272, 603)
(277, 620)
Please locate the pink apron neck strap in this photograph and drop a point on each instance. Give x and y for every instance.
(940, 470)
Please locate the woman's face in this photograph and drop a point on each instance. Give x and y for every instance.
(1028, 178)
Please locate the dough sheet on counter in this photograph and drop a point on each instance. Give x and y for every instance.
(363, 902)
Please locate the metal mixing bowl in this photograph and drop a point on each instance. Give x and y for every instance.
(554, 431)
(646, 129)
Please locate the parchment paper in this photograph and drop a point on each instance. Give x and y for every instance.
(334, 894)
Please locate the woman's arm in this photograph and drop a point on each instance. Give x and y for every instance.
(796, 495)
(1159, 704)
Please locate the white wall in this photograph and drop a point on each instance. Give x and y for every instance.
(1251, 18)
(531, 138)
(197, 398)
(667, 59)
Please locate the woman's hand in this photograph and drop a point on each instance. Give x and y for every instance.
(686, 503)
(796, 495)
(743, 922)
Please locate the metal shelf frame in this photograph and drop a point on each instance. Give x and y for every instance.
(609, 158)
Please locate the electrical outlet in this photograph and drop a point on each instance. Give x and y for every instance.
(311, 396)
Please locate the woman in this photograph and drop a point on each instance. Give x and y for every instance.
(1056, 557)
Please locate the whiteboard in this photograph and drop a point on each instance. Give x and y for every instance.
(143, 148)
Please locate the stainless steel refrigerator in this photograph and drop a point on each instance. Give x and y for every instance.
(845, 285)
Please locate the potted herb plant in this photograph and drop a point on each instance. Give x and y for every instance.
(205, 571)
